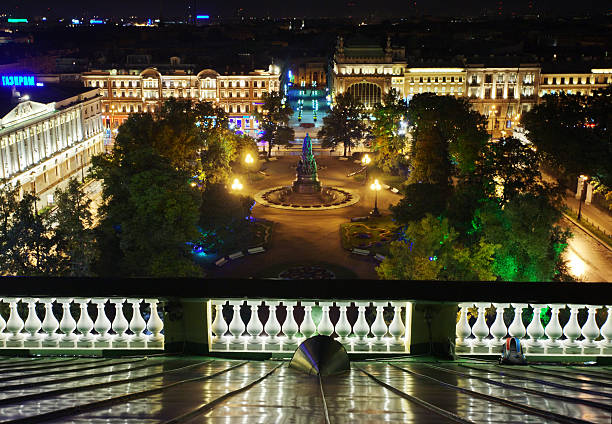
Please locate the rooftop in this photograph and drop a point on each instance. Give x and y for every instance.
(46, 94)
(193, 389)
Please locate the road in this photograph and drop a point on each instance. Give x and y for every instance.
(588, 260)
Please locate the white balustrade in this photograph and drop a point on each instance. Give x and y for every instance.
(538, 339)
(36, 334)
(272, 336)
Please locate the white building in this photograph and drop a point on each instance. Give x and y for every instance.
(47, 135)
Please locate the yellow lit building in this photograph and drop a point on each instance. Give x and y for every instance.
(133, 91)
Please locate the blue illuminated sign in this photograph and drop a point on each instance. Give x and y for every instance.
(18, 80)
(202, 17)
(95, 21)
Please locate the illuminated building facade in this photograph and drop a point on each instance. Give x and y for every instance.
(134, 91)
(48, 135)
(500, 93)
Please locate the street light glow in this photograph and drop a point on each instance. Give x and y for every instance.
(366, 160)
(249, 158)
(237, 185)
(375, 186)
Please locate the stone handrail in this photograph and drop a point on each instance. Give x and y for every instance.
(240, 326)
(83, 332)
(574, 337)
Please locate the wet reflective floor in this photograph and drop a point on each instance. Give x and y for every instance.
(196, 389)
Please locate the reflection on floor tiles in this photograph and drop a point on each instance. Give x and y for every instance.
(206, 390)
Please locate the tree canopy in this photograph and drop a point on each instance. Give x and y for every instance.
(574, 133)
(274, 121)
(344, 124)
(388, 141)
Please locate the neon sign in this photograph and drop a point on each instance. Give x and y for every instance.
(18, 80)
(202, 17)
(96, 21)
(17, 21)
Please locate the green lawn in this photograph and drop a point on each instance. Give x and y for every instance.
(375, 234)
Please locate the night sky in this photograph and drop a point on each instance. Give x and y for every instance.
(276, 8)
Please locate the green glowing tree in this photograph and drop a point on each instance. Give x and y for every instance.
(344, 124)
(530, 242)
(428, 250)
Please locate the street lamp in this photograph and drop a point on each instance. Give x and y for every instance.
(583, 179)
(237, 185)
(376, 187)
(249, 161)
(365, 160)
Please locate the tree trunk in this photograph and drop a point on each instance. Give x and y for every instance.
(269, 149)
(345, 145)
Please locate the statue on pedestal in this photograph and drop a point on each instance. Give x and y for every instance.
(307, 180)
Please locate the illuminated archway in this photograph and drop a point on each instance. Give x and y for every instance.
(366, 92)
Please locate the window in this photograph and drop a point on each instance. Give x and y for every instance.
(263, 84)
(488, 78)
(500, 78)
(222, 84)
(499, 92)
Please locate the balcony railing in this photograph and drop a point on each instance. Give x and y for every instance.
(575, 337)
(279, 325)
(140, 332)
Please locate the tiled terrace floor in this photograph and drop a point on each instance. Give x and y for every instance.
(195, 390)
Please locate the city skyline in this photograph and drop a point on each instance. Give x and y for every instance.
(275, 8)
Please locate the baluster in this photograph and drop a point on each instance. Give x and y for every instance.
(554, 330)
(272, 328)
(308, 326)
(236, 326)
(517, 328)
(50, 325)
(480, 329)
(590, 331)
(254, 327)
(32, 324)
(498, 328)
(290, 327)
(343, 326)
(14, 325)
(463, 329)
(379, 328)
(572, 331)
(137, 325)
(606, 333)
(102, 324)
(2, 327)
(535, 330)
(67, 324)
(85, 324)
(219, 326)
(361, 328)
(397, 328)
(155, 326)
(325, 326)
(120, 325)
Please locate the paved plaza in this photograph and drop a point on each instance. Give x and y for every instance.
(304, 237)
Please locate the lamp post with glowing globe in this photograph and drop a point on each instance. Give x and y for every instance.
(376, 187)
(249, 162)
(365, 161)
(237, 185)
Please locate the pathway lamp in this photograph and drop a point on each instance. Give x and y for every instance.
(583, 179)
(249, 161)
(365, 161)
(376, 187)
(237, 185)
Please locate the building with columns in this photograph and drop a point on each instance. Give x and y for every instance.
(136, 91)
(501, 93)
(47, 135)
